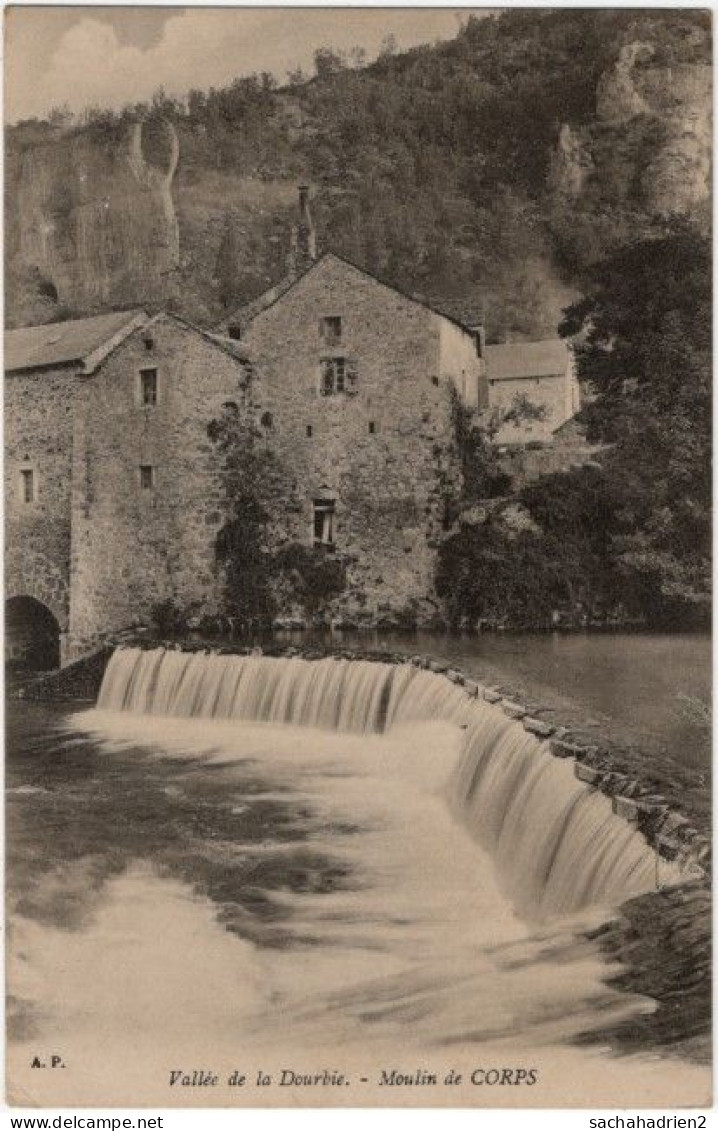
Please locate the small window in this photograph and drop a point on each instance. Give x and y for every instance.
(234, 331)
(149, 342)
(324, 523)
(330, 330)
(148, 386)
(267, 421)
(27, 485)
(435, 380)
(147, 477)
(372, 428)
(309, 430)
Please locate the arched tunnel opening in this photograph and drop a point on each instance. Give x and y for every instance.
(32, 635)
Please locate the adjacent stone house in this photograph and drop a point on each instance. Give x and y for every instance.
(541, 373)
(112, 494)
(354, 384)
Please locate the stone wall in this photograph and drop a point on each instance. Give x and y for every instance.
(39, 435)
(383, 451)
(460, 363)
(79, 681)
(552, 393)
(134, 547)
(568, 449)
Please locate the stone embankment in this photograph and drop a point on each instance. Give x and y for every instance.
(79, 681)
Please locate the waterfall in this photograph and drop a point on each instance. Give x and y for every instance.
(557, 845)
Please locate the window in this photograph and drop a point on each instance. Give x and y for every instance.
(372, 428)
(309, 430)
(330, 330)
(148, 386)
(27, 485)
(267, 421)
(147, 477)
(234, 331)
(324, 523)
(435, 380)
(332, 375)
(337, 375)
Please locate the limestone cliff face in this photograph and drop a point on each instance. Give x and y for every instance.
(95, 221)
(571, 164)
(679, 177)
(673, 176)
(617, 97)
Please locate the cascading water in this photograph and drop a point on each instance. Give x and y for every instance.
(557, 845)
(256, 863)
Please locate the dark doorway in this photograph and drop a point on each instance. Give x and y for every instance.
(32, 635)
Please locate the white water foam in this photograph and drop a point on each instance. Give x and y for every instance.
(420, 960)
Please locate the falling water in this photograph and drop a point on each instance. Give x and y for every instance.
(556, 843)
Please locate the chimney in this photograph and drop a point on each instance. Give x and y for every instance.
(479, 331)
(303, 248)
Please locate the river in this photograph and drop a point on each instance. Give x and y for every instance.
(190, 891)
(640, 687)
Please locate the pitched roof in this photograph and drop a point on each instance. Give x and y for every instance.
(547, 358)
(60, 343)
(236, 350)
(245, 314)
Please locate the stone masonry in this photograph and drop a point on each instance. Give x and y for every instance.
(126, 497)
(134, 546)
(381, 451)
(38, 436)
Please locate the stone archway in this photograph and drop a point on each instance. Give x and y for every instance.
(32, 635)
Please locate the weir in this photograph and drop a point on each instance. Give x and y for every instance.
(557, 845)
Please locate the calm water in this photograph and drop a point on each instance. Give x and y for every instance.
(640, 687)
(188, 893)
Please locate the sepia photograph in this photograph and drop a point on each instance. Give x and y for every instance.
(357, 557)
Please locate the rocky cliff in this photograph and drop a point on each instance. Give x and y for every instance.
(483, 174)
(670, 106)
(91, 222)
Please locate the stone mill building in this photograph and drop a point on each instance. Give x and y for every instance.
(114, 493)
(110, 481)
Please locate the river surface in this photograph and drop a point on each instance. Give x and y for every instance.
(653, 689)
(234, 896)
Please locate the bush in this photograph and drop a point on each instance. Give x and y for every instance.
(312, 576)
(169, 619)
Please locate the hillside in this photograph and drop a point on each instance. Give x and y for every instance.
(486, 174)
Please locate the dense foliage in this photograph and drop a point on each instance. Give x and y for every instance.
(626, 537)
(647, 317)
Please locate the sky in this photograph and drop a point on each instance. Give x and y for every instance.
(108, 56)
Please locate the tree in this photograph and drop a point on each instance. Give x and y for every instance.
(265, 573)
(483, 475)
(253, 482)
(328, 62)
(646, 319)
